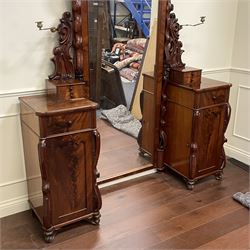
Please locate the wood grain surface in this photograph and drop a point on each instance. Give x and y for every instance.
(152, 212)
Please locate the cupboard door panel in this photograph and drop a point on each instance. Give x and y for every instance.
(209, 138)
(69, 166)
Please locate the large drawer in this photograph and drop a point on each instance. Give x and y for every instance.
(56, 124)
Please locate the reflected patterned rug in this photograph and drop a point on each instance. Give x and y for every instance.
(122, 119)
(244, 199)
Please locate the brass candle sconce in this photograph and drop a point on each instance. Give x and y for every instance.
(39, 25)
(202, 21)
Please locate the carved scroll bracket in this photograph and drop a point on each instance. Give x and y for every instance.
(64, 68)
(173, 47)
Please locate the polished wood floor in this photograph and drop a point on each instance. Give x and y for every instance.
(119, 153)
(152, 212)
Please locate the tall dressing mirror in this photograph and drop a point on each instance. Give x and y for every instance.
(117, 50)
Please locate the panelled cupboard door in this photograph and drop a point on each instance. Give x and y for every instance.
(69, 174)
(208, 135)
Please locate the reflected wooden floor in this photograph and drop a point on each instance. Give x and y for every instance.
(152, 212)
(119, 153)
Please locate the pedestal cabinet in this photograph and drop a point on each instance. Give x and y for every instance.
(61, 148)
(195, 122)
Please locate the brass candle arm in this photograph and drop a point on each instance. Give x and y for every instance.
(39, 25)
(202, 21)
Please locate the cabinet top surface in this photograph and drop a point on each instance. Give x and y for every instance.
(150, 74)
(42, 105)
(65, 82)
(206, 85)
(210, 83)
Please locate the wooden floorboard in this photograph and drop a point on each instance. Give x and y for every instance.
(119, 153)
(152, 212)
(241, 236)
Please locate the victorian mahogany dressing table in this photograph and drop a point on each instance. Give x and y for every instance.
(61, 141)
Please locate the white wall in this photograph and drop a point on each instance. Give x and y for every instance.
(238, 133)
(25, 56)
(207, 46)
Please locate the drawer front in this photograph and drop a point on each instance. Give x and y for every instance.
(214, 97)
(67, 122)
(189, 78)
(192, 80)
(73, 91)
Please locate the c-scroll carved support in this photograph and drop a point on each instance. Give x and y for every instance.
(97, 202)
(48, 230)
(193, 159)
(226, 122)
(160, 152)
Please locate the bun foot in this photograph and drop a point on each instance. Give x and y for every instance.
(49, 235)
(33, 213)
(95, 220)
(218, 176)
(141, 153)
(190, 185)
(162, 169)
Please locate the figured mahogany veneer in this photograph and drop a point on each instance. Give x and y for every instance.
(186, 76)
(67, 89)
(191, 113)
(194, 126)
(61, 143)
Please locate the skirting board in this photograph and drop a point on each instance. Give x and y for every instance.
(238, 154)
(21, 204)
(14, 206)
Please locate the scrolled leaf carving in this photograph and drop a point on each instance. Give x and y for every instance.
(64, 68)
(173, 47)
